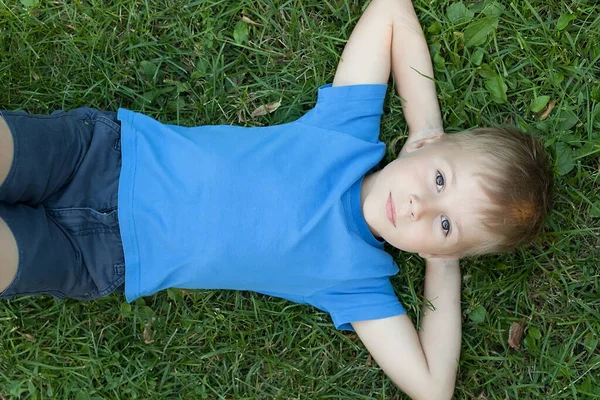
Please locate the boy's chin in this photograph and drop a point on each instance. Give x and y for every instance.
(425, 255)
(439, 256)
(400, 247)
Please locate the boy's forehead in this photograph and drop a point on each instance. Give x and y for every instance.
(468, 167)
(453, 152)
(471, 202)
(473, 231)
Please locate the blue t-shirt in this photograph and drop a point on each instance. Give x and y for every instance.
(275, 210)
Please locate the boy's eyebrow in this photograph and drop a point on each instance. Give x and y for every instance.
(457, 224)
(458, 231)
(453, 172)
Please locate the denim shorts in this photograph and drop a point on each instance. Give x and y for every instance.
(60, 202)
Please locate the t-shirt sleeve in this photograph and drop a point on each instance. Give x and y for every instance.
(358, 301)
(355, 110)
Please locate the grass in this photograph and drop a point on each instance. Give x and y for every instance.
(197, 63)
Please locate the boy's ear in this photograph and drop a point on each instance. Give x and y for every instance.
(451, 256)
(410, 147)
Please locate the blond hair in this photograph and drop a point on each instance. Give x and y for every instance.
(517, 179)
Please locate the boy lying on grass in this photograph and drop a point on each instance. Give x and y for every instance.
(94, 202)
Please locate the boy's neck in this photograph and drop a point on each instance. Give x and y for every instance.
(365, 190)
(366, 187)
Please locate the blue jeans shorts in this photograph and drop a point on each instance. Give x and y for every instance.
(60, 202)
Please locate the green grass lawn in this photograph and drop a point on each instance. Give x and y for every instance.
(533, 63)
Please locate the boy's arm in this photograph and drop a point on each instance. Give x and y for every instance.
(423, 365)
(389, 33)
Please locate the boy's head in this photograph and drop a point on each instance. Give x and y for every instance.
(476, 192)
(517, 179)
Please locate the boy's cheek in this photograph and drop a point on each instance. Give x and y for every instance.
(411, 240)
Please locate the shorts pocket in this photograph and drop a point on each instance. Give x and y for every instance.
(96, 235)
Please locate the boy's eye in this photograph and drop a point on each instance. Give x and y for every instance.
(445, 226)
(439, 181)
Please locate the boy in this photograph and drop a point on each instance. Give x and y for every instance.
(293, 211)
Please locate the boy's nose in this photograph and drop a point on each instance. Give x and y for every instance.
(418, 207)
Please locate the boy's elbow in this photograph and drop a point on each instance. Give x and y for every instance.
(435, 391)
(427, 386)
(439, 392)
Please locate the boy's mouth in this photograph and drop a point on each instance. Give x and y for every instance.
(390, 210)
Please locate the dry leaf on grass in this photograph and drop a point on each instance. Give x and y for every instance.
(249, 21)
(369, 360)
(148, 334)
(240, 116)
(27, 336)
(516, 334)
(266, 109)
(548, 110)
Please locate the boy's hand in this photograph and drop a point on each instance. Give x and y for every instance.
(422, 364)
(389, 35)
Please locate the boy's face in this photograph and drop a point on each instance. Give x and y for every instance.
(428, 200)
